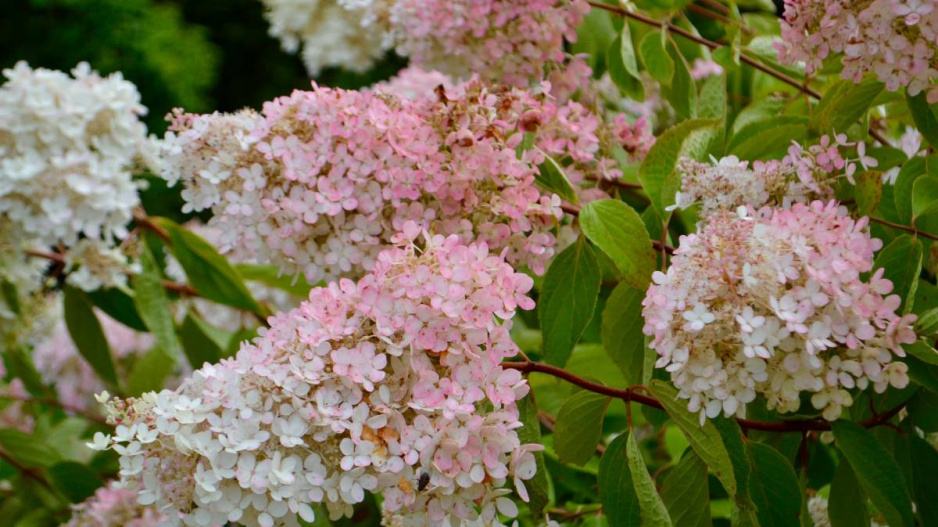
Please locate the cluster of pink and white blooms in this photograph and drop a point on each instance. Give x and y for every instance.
(61, 365)
(772, 303)
(112, 506)
(68, 146)
(894, 39)
(321, 180)
(512, 41)
(368, 387)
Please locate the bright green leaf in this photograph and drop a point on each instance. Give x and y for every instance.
(844, 103)
(922, 351)
(767, 138)
(682, 93)
(686, 493)
(690, 138)
(655, 57)
(622, 332)
(619, 231)
(902, 191)
(568, 299)
(924, 196)
(712, 103)
(705, 439)
(653, 511)
(270, 275)
(927, 323)
(579, 426)
(551, 176)
(85, 329)
(622, 67)
(616, 490)
(153, 305)
(877, 471)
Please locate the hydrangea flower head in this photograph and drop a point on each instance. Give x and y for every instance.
(774, 304)
(112, 506)
(367, 387)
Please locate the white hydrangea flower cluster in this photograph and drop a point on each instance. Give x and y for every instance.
(775, 304)
(92, 264)
(369, 386)
(112, 506)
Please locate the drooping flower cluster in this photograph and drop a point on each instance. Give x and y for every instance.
(368, 386)
(61, 365)
(321, 181)
(803, 175)
(505, 40)
(894, 39)
(112, 506)
(774, 305)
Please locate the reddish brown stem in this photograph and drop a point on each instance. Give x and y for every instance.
(25, 471)
(58, 404)
(905, 228)
(630, 394)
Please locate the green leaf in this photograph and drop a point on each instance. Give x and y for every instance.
(844, 103)
(198, 344)
(208, 272)
(22, 367)
(10, 297)
(847, 504)
(619, 231)
(927, 323)
(712, 103)
(877, 471)
(686, 494)
(616, 490)
(922, 410)
(153, 305)
(924, 196)
(86, 332)
(774, 488)
(868, 192)
(924, 117)
(76, 481)
(690, 138)
(744, 509)
(551, 176)
(655, 57)
(118, 305)
(704, 438)
(902, 261)
(922, 351)
(579, 426)
(622, 66)
(767, 138)
(653, 511)
(924, 482)
(923, 374)
(902, 191)
(622, 332)
(538, 487)
(761, 109)
(682, 93)
(568, 299)
(27, 449)
(270, 275)
(149, 372)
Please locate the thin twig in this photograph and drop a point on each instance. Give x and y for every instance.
(905, 228)
(631, 394)
(58, 404)
(677, 30)
(26, 471)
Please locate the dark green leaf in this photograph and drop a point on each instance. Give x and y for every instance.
(682, 93)
(774, 488)
(902, 192)
(550, 175)
(924, 117)
(10, 297)
(579, 425)
(869, 192)
(844, 103)
(153, 305)
(197, 343)
(208, 272)
(618, 230)
(877, 471)
(22, 367)
(922, 351)
(704, 438)
(76, 481)
(538, 487)
(927, 323)
(744, 509)
(622, 332)
(623, 70)
(118, 305)
(902, 261)
(924, 482)
(616, 490)
(686, 494)
(653, 511)
(847, 504)
(568, 298)
(86, 332)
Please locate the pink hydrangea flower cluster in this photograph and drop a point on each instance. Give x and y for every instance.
(321, 181)
(635, 138)
(505, 40)
(773, 304)
(368, 386)
(894, 39)
(112, 506)
(60, 364)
